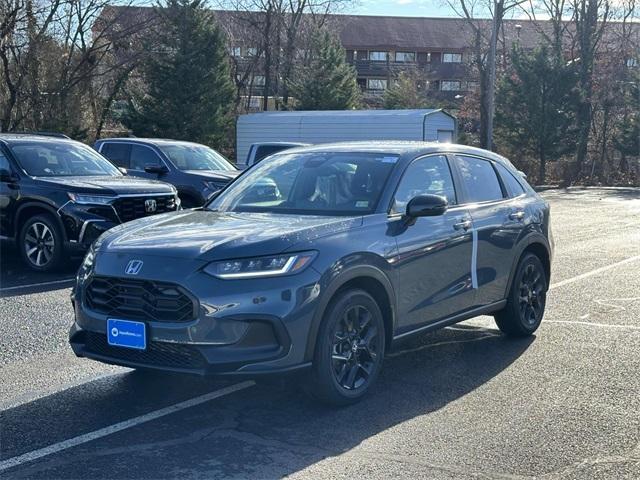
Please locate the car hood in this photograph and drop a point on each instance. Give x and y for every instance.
(107, 185)
(222, 175)
(207, 235)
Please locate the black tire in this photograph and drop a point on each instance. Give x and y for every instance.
(41, 243)
(526, 302)
(347, 362)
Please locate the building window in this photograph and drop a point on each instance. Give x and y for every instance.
(235, 51)
(251, 51)
(406, 57)
(473, 86)
(451, 58)
(378, 56)
(258, 81)
(450, 85)
(632, 62)
(376, 84)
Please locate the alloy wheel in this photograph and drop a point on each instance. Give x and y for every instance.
(39, 244)
(355, 348)
(531, 295)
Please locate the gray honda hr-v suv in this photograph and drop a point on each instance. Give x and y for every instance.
(320, 259)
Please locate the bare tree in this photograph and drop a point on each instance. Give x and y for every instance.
(485, 44)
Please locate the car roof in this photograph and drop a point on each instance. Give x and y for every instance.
(403, 148)
(10, 138)
(295, 144)
(148, 141)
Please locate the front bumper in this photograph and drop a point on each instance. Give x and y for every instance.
(248, 327)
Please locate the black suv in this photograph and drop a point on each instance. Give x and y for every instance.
(351, 248)
(197, 171)
(57, 196)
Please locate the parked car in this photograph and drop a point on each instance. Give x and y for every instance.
(197, 171)
(359, 246)
(57, 196)
(259, 151)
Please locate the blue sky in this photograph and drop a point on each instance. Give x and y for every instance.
(408, 8)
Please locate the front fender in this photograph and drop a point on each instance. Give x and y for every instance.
(349, 269)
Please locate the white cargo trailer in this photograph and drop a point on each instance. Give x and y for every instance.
(343, 125)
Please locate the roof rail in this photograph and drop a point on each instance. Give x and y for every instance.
(43, 134)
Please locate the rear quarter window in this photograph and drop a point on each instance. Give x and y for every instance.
(514, 187)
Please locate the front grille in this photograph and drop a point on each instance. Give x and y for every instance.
(140, 300)
(159, 354)
(130, 208)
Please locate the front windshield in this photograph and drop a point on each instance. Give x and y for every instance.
(61, 159)
(310, 183)
(196, 157)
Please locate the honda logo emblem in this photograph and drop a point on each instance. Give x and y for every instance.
(133, 267)
(150, 205)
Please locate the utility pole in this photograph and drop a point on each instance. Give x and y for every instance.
(498, 6)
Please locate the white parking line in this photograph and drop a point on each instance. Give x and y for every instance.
(32, 285)
(594, 324)
(593, 272)
(117, 427)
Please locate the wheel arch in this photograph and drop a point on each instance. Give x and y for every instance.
(368, 278)
(539, 246)
(30, 209)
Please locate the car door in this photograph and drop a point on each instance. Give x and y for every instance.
(434, 253)
(497, 224)
(9, 192)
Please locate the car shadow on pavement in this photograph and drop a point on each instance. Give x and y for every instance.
(267, 431)
(17, 279)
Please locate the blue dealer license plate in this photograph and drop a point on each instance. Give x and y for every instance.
(124, 333)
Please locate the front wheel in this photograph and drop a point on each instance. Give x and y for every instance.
(41, 243)
(349, 349)
(527, 299)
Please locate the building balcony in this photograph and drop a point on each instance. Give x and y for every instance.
(372, 68)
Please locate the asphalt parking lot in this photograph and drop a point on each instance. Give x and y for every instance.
(464, 402)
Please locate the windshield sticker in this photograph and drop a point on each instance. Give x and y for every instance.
(389, 159)
(362, 204)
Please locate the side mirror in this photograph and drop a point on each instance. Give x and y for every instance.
(6, 175)
(426, 206)
(123, 170)
(157, 168)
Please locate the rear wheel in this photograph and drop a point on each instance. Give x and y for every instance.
(349, 350)
(527, 299)
(41, 243)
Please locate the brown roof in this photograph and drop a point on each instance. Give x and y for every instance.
(389, 32)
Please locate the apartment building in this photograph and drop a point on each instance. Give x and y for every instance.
(438, 51)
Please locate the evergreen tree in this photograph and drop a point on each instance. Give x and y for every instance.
(536, 105)
(627, 140)
(327, 82)
(405, 92)
(187, 92)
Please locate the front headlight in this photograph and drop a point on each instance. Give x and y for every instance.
(86, 267)
(270, 266)
(90, 199)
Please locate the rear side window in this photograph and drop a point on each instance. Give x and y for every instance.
(142, 156)
(425, 176)
(118, 153)
(266, 150)
(508, 179)
(480, 179)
